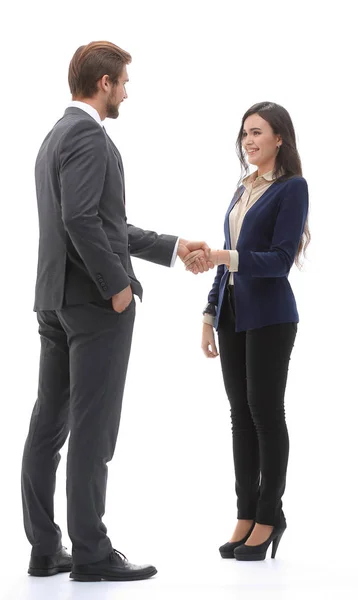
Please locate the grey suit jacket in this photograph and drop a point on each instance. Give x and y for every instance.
(85, 241)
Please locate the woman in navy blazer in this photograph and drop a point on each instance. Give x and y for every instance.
(253, 308)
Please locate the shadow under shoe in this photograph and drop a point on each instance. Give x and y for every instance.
(50, 564)
(227, 550)
(115, 567)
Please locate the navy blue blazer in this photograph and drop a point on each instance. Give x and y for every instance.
(267, 246)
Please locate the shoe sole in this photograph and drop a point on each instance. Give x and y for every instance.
(251, 557)
(227, 555)
(49, 572)
(127, 577)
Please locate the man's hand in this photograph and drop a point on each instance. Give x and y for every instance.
(214, 257)
(202, 255)
(122, 300)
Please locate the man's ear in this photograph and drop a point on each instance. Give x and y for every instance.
(104, 83)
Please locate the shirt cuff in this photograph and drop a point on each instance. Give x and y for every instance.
(209, 319)
(234, 261)
(175, 254)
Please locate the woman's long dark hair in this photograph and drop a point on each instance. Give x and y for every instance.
(287, 163)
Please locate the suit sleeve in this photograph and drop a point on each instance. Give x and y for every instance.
(289, 226)
(150, 246)
(213, 296)
(82, 168)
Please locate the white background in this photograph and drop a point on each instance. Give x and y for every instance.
(197, 67)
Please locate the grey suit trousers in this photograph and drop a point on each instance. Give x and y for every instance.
(83, 364)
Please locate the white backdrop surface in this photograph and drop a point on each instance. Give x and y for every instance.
(197, 67)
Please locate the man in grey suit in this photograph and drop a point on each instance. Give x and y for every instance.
(85, 310)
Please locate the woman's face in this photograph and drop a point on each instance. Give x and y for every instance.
(260, 143)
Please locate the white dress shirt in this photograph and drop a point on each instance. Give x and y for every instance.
(95, 115)
(90, 110)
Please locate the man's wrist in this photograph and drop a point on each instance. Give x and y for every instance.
(182, 249)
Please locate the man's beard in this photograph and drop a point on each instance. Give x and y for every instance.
(112, 109)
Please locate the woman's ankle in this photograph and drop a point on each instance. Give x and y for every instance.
(242, 528)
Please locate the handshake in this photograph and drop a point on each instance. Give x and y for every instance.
(198, 257)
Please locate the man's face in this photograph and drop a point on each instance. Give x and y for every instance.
(117, 95)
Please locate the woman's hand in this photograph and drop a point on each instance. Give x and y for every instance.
(208, 345)
(200, 250)
(197, 262)
(213, 258)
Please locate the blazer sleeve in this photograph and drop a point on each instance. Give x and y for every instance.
(289, 226)
(213, 296)
(150, 246)
(82, 167)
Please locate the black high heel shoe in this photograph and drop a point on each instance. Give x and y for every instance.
(227, 550)
(259, 552)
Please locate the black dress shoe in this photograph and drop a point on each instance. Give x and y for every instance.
(259, 552)
(51, 564)
(227, 550)
(115, 567)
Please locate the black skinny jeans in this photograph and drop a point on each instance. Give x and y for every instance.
(255, 365)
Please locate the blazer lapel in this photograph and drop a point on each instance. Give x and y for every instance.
(236, 197)
(119, 159)
(115, 152)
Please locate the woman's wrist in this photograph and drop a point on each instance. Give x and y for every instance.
(208, 319)
(220, 257)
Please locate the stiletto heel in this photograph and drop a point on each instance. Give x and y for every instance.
(275, 544)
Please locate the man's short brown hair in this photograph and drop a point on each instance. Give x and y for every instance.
(89, 63)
